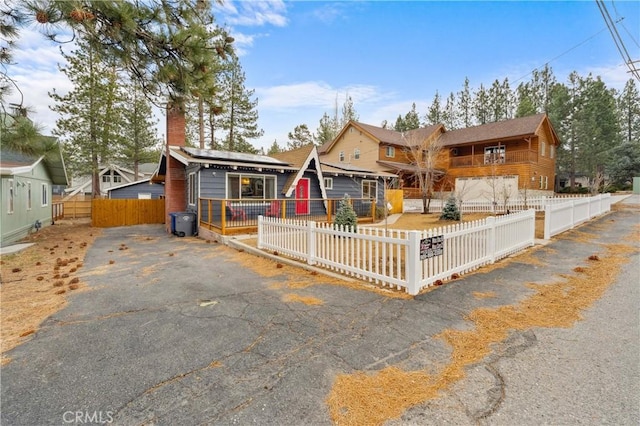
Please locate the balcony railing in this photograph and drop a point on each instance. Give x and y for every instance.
(509, 157)
(234, 216)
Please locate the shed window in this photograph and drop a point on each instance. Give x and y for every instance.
(341, 156)
(370, 189)
(248, 186)
(328, 183)
(356, 153)
(144, 195)
(193, 192)
(10, 195)
(391, 152)
(45, 195)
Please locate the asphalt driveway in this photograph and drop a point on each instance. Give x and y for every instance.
(180, 331)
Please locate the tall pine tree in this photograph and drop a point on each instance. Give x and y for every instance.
(239, 117)
(91, 114)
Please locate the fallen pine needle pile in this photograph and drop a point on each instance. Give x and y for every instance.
(373, 398)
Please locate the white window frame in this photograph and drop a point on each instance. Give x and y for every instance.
(106, 178)
(192, 189)
(144, 196)
(552, 151)
(543, 148)
(341, 156)
(117, 179)
(356, 153)
(45, 195)
(328, 183)
(29, 196)
(369, 184)
(240, 176)
(10, 195)
(391, 152)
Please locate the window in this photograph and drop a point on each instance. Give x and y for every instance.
(328, 183)
(544, 182)
(391, 152)
(10, 195)
(246, 186)
(144, 195)
(552, 151)
(117, 178)
(45, 195)
(28, 195)
(494, 154)
(356, 153)
(192, 190)
(543, 148)
(370, 189)
(341, 156)
(106, 178)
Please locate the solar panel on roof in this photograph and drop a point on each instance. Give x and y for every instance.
(211, 154)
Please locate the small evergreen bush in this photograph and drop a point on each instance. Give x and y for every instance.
(345, 215)
(450, 210)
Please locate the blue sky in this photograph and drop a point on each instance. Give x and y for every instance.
(301, 56)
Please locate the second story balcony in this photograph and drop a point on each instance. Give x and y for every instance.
(488, 159)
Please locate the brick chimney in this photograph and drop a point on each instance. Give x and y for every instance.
(175, 187)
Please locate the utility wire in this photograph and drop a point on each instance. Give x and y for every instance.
(617, 39)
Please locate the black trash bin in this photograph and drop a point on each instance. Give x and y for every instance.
(183, 224)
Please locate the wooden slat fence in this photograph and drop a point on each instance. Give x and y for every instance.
(74, 209)
(392, 257)
(108, 213)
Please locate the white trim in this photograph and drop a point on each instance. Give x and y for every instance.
(313, 155)
(12, 171)
(11, 194)
(44, 195)
(29, 195)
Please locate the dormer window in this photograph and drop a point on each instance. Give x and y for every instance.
(391, 152)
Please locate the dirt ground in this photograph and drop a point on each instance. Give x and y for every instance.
(34, 282)
(420, 222)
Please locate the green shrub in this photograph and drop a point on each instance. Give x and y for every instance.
(345, 215)
(450, 210)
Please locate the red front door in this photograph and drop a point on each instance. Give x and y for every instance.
(302, 196)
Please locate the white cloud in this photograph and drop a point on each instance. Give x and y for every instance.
(253, 13)
(315, 94)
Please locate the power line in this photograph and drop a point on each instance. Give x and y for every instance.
(611, 25)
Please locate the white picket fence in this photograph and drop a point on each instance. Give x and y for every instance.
(560, 217)
(393, 257)
(512, 205)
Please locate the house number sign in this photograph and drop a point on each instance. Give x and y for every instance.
(432, 246)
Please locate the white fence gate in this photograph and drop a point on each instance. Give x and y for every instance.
(393, 257)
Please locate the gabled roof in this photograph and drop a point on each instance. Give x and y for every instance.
(301, 158)
(507, 129)
(13, 163)
(126, 184)
(385, 136)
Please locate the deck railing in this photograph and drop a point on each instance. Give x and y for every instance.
(509, 157)
(233, 216)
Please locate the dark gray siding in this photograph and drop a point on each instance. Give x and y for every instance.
(213, 181)
(132, 191)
